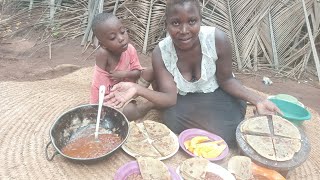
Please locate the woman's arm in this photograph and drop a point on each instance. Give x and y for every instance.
(232, 86)
(165, 96)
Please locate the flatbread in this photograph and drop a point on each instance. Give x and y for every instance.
(262, 145)
(256, 126)
(165, 145)
(294, 144)
(284, 128)
(156, 130)
(241, 167)
(153, 169)
(134, 133)
(279, 146)
(194, 168)
(142, 148)
(283, 148)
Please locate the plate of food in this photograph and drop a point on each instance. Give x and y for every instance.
(198, 142)
(200, 168)
(151, 139)
(145, 168)
(273, 141)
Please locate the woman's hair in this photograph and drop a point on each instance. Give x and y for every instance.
(171, 3)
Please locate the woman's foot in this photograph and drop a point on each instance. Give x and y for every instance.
(134, 111)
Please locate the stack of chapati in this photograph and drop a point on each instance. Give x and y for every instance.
(240, 167)
(150, 139)
(153, 169)
(197, 168)
(275, 138)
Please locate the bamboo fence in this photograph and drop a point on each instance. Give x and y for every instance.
(274, 34)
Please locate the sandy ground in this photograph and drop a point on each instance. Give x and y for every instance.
(23, 60)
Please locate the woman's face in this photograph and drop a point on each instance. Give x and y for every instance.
(183, 24)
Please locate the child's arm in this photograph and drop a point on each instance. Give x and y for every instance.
(100, 76)
(102, 58)
(135, 67)
(133, 74)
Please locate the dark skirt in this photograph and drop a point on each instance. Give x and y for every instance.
(216, 112)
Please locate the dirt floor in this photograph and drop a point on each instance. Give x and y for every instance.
(23, 60)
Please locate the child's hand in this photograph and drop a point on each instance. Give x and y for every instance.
(118, 75)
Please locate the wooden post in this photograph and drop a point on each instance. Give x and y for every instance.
(115, 7)
(31, 4)
(146, 37)
(100, 10)
(50, 51)
(274, 47)
(255, 55)
(90, 19)
(58, 5)
(313, 47)
(51, 11)
(234, 37)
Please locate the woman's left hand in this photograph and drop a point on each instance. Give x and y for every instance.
(266, 107)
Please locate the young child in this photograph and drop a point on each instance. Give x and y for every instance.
(116, 58)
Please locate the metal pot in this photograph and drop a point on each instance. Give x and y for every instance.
(73, 123)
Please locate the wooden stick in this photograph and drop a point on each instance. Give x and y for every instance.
(115, 7)
(273, 43)
(58, 5)
(31, 4)
(145, 43)
(255, 54)
(90, 36)
(313, 47)
(50, 50)
(85, 48)
(91, 16)
(100, 10)
(304, 64)
(234, 37)
(92, 52)
(51, 11)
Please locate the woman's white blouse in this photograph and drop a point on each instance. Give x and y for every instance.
(208, 82)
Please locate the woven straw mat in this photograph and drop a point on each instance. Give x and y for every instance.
(28, 110)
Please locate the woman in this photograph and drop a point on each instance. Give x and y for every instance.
(193, 74)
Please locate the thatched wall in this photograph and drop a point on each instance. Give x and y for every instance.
(264, 34)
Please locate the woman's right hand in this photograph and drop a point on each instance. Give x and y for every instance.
(120, 94)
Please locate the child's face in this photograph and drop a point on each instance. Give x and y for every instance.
(113, 36)
(183, 24)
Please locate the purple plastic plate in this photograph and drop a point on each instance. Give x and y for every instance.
(132, 167)
(190, 133)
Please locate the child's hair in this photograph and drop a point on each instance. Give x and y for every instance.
(171, 3)
(100, 18)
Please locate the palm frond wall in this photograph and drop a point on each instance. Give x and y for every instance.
(264, 34)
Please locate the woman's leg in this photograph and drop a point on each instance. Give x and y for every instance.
(217, 112)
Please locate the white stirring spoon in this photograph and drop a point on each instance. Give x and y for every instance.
(102, 90)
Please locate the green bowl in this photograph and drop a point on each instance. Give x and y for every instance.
(286, 97)
(291, 111)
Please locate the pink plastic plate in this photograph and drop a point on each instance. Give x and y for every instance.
(132, 167)
(190, 133)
